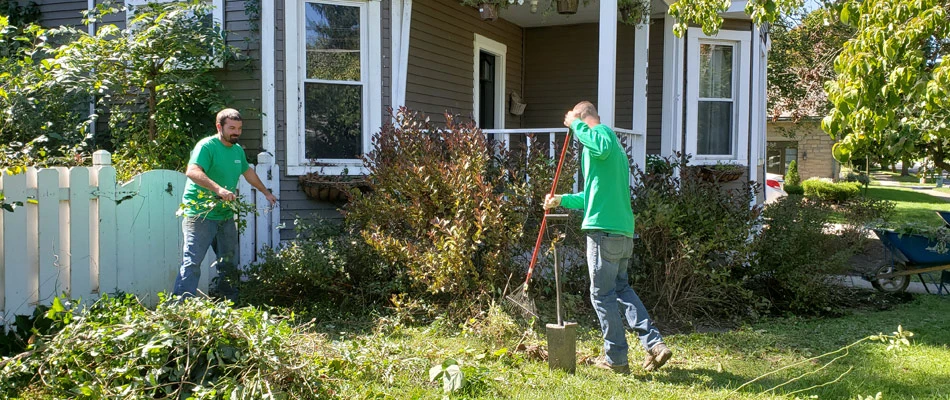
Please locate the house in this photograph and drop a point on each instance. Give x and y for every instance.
(803, 141)
(703, 95)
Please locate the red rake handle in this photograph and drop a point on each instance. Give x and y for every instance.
(544, 221)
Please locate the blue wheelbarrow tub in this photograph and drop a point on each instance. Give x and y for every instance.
(945, 215)
(914, 247)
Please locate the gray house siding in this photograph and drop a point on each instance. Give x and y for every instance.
(555, 79)
(293, 202)
(441, 51)
(54, 13)
(655, 87)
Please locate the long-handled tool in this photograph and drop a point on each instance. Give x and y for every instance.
(562, 336)
(520, 296)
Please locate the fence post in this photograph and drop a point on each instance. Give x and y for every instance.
(104, 241)
(16, 277)
(269, 218)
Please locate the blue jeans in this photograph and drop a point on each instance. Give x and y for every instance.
(608, 257)
(200, 233)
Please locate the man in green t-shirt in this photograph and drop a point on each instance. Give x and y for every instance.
(216, 164)
(608, 224)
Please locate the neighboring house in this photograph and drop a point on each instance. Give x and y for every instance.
(803, 141)
(331, 69)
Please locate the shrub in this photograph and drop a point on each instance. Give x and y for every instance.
(791, 176)
(445, 206)
(196, 348)
(325, 261)
(860, 177)
(794, 257)
(822, 190)
(693, 246)
(794, 189)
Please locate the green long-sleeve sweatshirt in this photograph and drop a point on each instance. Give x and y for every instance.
(606, 196)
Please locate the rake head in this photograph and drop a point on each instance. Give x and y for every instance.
(522, 303)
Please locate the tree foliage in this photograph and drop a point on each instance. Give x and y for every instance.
(706, 13)
(892, 82)
(804, 47)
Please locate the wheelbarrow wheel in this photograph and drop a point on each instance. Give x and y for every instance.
(894, 284)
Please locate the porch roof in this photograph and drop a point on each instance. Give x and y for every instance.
(547, 15)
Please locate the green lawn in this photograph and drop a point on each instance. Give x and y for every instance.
(911, 205)
(393, 361)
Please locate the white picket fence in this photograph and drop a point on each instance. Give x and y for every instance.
(81, 233)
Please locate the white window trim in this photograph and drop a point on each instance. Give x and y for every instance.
(371, 73)
(741, 70)
(217, 13)
(500, 51)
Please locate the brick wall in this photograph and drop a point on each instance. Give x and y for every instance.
(812, 141)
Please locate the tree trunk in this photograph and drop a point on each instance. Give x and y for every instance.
(905, 167)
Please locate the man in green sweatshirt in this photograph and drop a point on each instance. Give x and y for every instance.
(608, 224)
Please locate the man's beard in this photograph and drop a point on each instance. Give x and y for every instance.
(233, 139)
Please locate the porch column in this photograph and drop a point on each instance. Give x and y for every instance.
(641, 43)
(401, 17)
(607, 70)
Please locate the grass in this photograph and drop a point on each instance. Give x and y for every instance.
(392, 360)
(911, 206)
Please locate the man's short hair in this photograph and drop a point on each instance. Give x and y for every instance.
(228, 114)
(586, 109)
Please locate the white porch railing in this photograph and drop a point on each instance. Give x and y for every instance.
(634, 142)
(82, 233)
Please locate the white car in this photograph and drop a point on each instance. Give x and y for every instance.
(774, 187)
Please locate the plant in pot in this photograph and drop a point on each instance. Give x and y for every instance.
(488, 9)
(633, 12)
(332, 188)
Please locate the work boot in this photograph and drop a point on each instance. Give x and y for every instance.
(601, 362)
(656, 357)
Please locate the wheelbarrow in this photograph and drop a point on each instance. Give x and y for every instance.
(909, 256)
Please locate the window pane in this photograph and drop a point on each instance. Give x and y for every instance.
(715, 71)
(333, 125)
(333, 42)
(714, 128)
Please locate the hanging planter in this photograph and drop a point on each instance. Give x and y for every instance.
(488, 11)
(721, 173)
(567, 6)
(633, 12)
(332, 188)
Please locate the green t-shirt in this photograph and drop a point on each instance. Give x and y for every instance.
(606, 196)
(224, 165)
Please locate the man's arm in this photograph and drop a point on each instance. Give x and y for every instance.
(199, 177)
(255, 181)
(594, 140)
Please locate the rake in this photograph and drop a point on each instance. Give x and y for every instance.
(520, 296)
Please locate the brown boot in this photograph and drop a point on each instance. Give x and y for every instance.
(656, 357)
(601, 362)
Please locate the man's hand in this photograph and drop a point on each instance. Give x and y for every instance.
(569, 118)
(271, 198)
(551, 201)
(226, 195)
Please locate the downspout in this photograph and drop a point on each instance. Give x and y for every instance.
(401, 69)
(90, 7)
(268, 86)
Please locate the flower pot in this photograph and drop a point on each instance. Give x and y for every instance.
(567, 6)
(488, 11)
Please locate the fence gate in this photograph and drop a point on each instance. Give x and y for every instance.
(80, 233)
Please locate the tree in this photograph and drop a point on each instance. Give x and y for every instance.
(706, 13)
(804, 48)
(892, 85)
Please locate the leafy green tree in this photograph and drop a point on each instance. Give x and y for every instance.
(804, 47)
(892, 85)
(705, 13)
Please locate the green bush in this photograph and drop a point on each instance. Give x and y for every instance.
(794, 257)
(325, 261)
(794, 189)
(693, 246)
(821, 190)
(117, 348)
(447, 207)
(791, 176)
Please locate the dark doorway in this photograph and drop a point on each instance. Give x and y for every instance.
(486, 90)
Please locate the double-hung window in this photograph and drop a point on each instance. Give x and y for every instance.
(333, 84)
(718, 96)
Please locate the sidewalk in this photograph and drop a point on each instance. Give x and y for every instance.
(861, 283)
(885, 180)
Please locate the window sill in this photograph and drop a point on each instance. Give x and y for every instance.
(353, 169)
